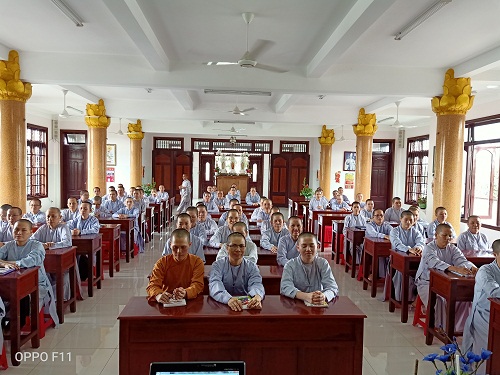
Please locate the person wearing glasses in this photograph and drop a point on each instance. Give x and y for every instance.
(378, 228)
(36, 216)
(235, 276)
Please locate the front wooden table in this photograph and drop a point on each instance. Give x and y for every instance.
(354, 237)
(285, 337)
(127, 226)
(14, 287)
(375, 248)
(407, 264)
(57, 261)
(453, 289)
(111, 234)
(90, 245)
(271, 279)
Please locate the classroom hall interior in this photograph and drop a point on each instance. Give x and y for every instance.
(171, 102)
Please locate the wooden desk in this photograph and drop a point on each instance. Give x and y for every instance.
(256, 239)
(159, 212)
(374, 249)
(127, 226)
(453, 289)
(493, 364)
(57, 261)
(337, 230)
(479, 258)
(407, 264)
(14, 287)
(325, 219)
(90, 245)
(354, 237)
(111, 234)
(265, 257)
(253, 229)
(281, 338)
(312, 220)
(271, 279)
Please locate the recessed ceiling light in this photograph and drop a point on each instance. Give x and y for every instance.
(491, 86)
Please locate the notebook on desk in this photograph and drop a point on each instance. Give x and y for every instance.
(197, 368)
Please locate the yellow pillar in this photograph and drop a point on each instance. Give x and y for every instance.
(13, 96)
(136, 136)
(364, 130)
(326, 141)
(98, 123)
(450, 109)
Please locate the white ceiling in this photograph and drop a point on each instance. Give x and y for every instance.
(344, 50)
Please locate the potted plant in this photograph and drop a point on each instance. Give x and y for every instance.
(306, 191)
(422, 201)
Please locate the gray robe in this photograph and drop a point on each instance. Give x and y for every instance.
(351, 221)
(250, 252)
(469, 241)
(185, 197)
(297, 277)
(227, 281)
(196, 248)
(220, 237)
(271, 238)
(379, 231)
(393, 215)
(287, 249)
(477, 325)
(440, 259)
(431, 229)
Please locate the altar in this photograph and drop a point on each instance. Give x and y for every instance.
(224, 182)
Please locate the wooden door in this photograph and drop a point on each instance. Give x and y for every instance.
(168, 167)
(382, 178)
(207, 166)
(287, 174)
(73, 165)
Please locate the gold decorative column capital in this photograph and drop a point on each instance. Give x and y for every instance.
(11, 86)
(135, 130)
(456, 98)
(327, 137)
(96, 115)
(367, 124)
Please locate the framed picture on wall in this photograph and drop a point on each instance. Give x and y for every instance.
(111, 154)
(349, 161)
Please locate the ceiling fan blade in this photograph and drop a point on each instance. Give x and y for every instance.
(220, 63)
(64, 114)
(270, 68)
(75, 109)
(385, 119)
(259, 48)
(248, 109)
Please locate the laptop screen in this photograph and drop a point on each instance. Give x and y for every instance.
(197, 368)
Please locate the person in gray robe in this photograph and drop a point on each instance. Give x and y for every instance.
(407, 239)
(270, 238)
(7, 232)
(195, 247)
(441, 215)
(378, 228)
(487, 286)
(24, 252)
(351, 221)
(308, 277)
(235, 276)
(287, 245)
(71, 212)
(472, 238)
(250, 249)
(252, 198)
(223, 232)
(207, 222)
(441, 255)
(337, 204)
(223, 217)
(209, 203)
(368, 210)
(185, 191)
(196, 229)
(393, 214)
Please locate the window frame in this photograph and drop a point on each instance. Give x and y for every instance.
(469, 145)
(30, 192)
(422, 153)
(303, 143)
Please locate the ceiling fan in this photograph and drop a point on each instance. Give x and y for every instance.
(248, 60)
(232, 132)
(397, 124)
(342, 139)
(242, 112)
(64, 113)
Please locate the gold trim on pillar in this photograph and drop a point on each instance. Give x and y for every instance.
(96, 115)
(11, 86)
(456, 98)
(327, 136)
(367, 124)
(135, 130)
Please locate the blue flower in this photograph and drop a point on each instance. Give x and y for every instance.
(477, 358)
(485, 354)
(449, 348)
(465, 368)
(430, 357)
(443, 358)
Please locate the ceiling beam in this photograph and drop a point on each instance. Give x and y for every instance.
(134, 22)
(351, 21)
(283, 102)
(382, 104)
(479, 64)
(82, 92)
(188, 99)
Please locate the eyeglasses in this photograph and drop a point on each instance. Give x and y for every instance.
(378, 215)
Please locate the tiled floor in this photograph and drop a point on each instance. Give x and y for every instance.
(88, 339)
